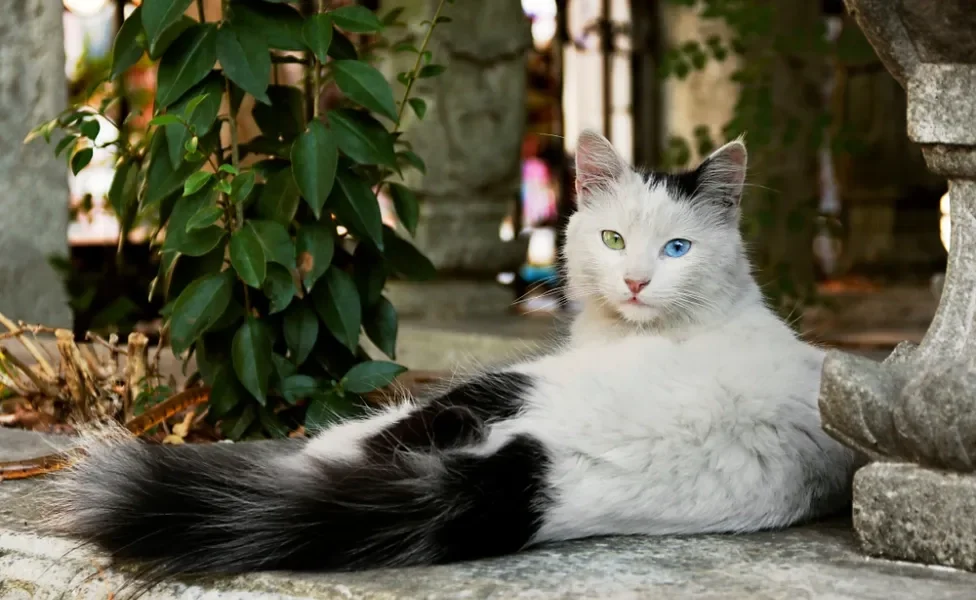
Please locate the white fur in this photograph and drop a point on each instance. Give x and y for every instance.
(693, 412)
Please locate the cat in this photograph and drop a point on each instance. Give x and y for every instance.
(680, 405)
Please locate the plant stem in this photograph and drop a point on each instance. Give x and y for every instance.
(235, 156)
(417, 65)
(316, 74)
(235, 152)
(203, 16)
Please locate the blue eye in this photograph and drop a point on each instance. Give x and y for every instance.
(677, 247)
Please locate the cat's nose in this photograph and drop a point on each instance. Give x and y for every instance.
(636, 285)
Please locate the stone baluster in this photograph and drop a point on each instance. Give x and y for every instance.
(915, 413)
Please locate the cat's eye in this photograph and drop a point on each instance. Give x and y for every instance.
(613, 240)
(677, 247)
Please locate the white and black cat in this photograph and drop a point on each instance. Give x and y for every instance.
(680, 405)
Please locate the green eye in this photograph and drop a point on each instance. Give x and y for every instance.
(613, 240)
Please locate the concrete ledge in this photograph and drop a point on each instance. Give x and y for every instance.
(908, 512)
(817, 561)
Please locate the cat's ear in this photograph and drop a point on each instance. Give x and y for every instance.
(722, 175)
(598, 165)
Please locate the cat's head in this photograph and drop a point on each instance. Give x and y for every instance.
(656, 249)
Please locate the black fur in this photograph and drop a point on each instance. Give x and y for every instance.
(692, 187)
(238, 507)
(684, 185)
(456, 418)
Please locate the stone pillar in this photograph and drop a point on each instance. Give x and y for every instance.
(471, 142)
(34, 200)
(915, 413)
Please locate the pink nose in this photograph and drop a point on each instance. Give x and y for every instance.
(635, 286)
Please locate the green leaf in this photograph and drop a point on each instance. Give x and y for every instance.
(381, 326)
(166, 120)
(301, 329)
(227, 168)
(413, 160)
(194, 183)
(251, 357)
(159, 15)
(156, 50)
(245, 60)
(196, 242)
(365, 86)
(90, 129)
(199, 108)
(129, 45)
(317, 33)
(241, 187)
(370, 375)
(236, 426)
(328, 409)
(356, 19)
(247, 256)
(370, 272)
(205, 217)
(357, 208)
(122, 195)
(283, 367)
(314, 157)
(315, 243)
(66, 141)
(337, 302)
(226, 391)
(80, 159)
(275, 241)
(405, 259)
(362, 138)
(299, 387)
(430, 71)
(391, 17)
(199, 306)
(285, 118)
(405, 47)
(419, 107)
(278, 25)
(279, 198)
(195, 103)
(342, 48)
(407, 206)
(279, 287)
(186, 62)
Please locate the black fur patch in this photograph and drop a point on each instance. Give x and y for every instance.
(456, 418)
(226, 508)
(684, 185)
(681, 186)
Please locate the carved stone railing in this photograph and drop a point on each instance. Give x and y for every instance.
(915, 413)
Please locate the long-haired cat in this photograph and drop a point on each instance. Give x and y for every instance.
(681, 405)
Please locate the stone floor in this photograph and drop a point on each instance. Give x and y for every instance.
(817, 561)
(810, 562)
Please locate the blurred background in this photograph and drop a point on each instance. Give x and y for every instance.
(848, 229)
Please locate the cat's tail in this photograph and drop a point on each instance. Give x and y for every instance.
(434, 495)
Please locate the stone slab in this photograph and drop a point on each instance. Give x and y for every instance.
(815, 561)
(908, 512)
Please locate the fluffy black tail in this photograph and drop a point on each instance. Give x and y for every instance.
(267, 506)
